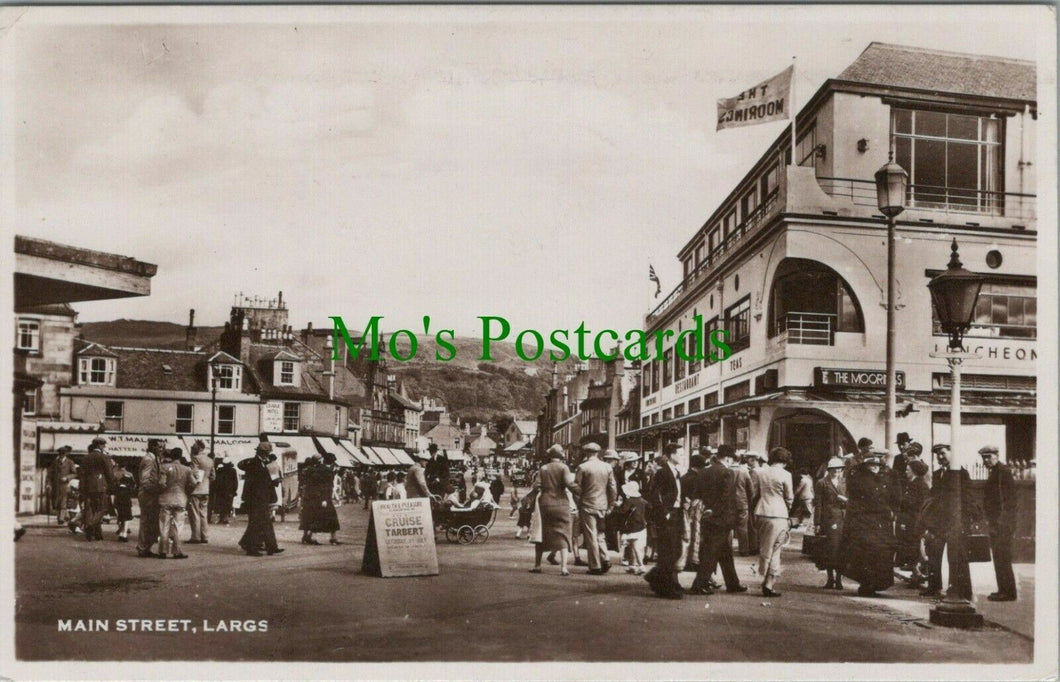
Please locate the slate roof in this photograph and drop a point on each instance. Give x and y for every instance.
(145, 368)
(97, 350)
(945, 72)
(403, 402)
(261, 356)
(49, 309)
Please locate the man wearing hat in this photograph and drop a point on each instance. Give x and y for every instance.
(715, 488)
(96, 477)
(948, 517)
(664, 499)
(225, 485)
(259, 493)
(437, 470)
(416, 484)
(60, 473)
(205, 475)
(751, 461)
(597, 496)
(148, 497)
(999, 504)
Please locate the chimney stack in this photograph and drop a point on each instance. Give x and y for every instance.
(189, 333)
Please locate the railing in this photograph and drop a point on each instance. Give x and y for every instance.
(813, 329)
(750, 225)
(937, 198)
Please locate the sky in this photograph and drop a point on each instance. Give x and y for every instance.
(525, 162)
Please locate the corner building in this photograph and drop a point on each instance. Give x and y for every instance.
(793, 263)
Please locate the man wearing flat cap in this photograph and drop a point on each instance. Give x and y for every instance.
(999, 505)
(60, 473)
(597, 495)
(259, 493)
(97, 477)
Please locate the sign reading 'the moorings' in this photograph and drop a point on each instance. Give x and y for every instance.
(854, 378)
(404, 537)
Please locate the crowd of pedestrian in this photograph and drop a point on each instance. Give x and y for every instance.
(869, 521)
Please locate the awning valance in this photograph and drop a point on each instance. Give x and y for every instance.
(331, 445)
(303, 445)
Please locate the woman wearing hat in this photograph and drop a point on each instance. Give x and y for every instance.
(829, 509)
(552, 531)
(318, 508)
(868, 544)
(915, 493)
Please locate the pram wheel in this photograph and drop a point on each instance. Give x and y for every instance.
(466, 535)
(481, 534)
(451, 534)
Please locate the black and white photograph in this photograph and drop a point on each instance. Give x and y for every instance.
(598, 341)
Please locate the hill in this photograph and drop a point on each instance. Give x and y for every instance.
(473, 390)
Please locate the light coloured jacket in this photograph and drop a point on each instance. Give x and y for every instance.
(416, 483)
(179, 482)
(204, 473)
(596, 481)
(775, 492)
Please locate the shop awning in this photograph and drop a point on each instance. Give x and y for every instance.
(517, 446)
(355, 452)
(402, 457)
(303, 445)
(716, 409)
(234, 448)
(118, 444)
(454, 455)
(331, 445)
(373, 459)
(385, 456)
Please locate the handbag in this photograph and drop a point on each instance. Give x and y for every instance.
(812, 544)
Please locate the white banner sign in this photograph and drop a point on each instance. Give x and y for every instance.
(404, 534)
(272, 417)
(766, 102)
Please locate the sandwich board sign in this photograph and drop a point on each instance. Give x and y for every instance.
(400, 540)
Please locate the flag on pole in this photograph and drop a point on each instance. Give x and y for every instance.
(766, 102)
(655, 278)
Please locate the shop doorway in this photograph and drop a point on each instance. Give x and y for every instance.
(812, 437)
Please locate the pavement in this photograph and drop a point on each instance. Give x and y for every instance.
(484, 606)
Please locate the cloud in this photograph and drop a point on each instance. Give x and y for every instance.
(238, 124)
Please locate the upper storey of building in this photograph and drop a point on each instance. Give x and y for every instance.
(962, 126)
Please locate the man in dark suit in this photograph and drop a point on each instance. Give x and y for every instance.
(665, 500)
(96, 478)
(948, 516)
(437, 470)
(716, 487)
(999, 504)
(259, 493)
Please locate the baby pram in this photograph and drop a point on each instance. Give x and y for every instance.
(464, 526)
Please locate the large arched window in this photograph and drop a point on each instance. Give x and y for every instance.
(810, 302)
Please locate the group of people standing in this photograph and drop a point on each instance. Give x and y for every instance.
(870, 517)
(873, 518)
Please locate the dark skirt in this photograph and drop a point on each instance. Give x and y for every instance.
(829, 554)
(123, 506)
(524, 518)
(868, 548)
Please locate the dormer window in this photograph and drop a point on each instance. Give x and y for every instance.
(94, 371)
(286, 369)
(228, 377)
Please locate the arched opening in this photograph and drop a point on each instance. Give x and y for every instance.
(809, 302)
(812, 436)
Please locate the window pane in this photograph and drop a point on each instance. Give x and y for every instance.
(962, 173)
(903, 121)
(930, 123)
(903, 147)
(963, 127)
(1030, 311)
(1015, 310)
(999, 310)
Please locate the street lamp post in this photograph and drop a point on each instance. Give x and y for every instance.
(213, 408)
(891, 183)
(954, 294)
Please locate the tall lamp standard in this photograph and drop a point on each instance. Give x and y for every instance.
(213, 406)
(954, 294)
(891, 184)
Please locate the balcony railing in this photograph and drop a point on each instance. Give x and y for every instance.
(750, 225)
(936, 198)
(813, 329)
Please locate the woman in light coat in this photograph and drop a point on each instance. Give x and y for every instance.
(773, 516)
